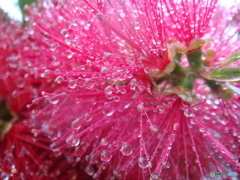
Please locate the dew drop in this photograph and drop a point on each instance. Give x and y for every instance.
(104, 142)
(136, 25)
(59, 79)
(116, 98)
(96, 175)
(93, 159)
(72, 141)
(140, 107)
(201, 130)
(133, 84)
(108, 109)
(153, 128)
(126, 149)
(69, 54)
(72, 84)
(188, 113)
(89, 170)
(53, 99)
(99, 16)
(142, 162)
(106, 156)
(64, 33)
(76, 124)
(154, 176)
(87, 117)
(123, 91)
(108, 90)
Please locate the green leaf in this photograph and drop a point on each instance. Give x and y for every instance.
(233, 58)
(226, 74)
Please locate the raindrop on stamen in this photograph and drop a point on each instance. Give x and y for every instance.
(108, 90)
(53, 99)
(59, 79)
(106, 156)
(188, 113)
(72, 141)
(108, 109)
(72, 84)
(142, 162)
(126, 149)
(154, 176)
(136, 25)
(154, 128)
(99, 16)
(69, 54)
(89, 170)
(64, 33)
(104, 142)
(76, 124)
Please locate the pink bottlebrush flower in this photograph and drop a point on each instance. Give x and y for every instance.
(24, 150)
(140, 90)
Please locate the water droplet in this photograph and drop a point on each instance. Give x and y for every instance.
(201, 130)
(89, 170)
(93, 159)
(154, 128)
(72, 84)
(69, 54)
(72, 141)
(154, 176)
(99, 16)
(106, 156)
(116, 98)
(64, 33)
(142, 162)
(136, 25)
(188, 113)
(108, 109)
(126, 149)
(123, 91)
(96, 175)
(108, 90)
(104, 142)
(176, 126)
(76, 124)
(53, 99)
(53, 47)
(87, 117)
(59, 79)
(133, 84)
(140, 107)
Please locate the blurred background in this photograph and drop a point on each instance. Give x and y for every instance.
(14, 8)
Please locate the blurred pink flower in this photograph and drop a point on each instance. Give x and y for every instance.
(24, 150)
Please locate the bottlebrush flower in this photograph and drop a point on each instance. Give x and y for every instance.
(24, 150)
(140, 90)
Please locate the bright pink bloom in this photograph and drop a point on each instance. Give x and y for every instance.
(24, 150)
(119, 102)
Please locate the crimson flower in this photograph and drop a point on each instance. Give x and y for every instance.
(138, 89)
